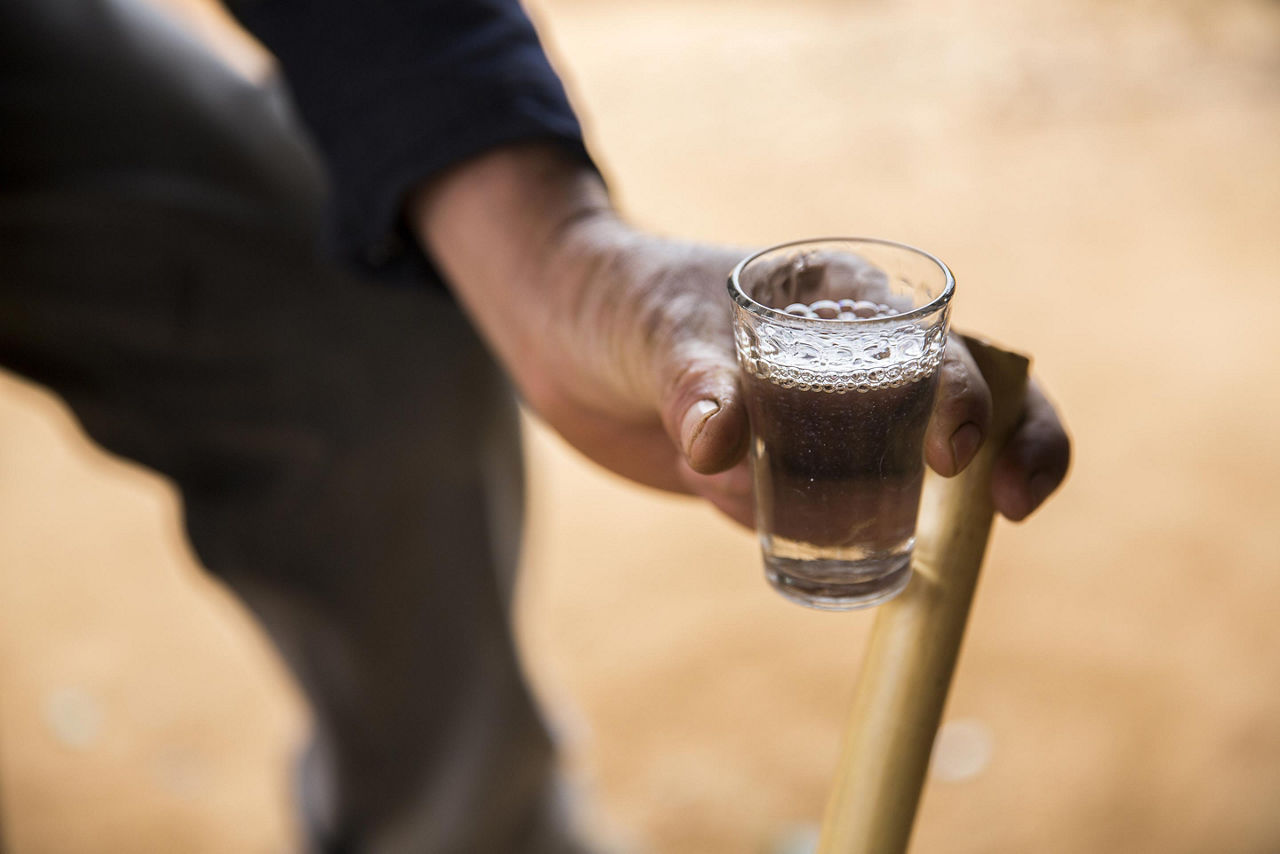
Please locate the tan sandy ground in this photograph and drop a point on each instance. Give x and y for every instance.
(1105, 180)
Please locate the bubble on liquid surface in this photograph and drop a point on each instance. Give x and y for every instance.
(844, 309)
(825, 309)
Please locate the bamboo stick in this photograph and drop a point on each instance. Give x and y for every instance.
(915, 642)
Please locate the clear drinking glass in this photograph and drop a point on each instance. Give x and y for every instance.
(839, 341)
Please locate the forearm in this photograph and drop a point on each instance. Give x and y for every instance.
(527, 240)
(495, 226)
(611, 334)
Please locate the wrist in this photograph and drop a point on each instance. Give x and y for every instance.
(605, 279)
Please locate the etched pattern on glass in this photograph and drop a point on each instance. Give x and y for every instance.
(840, 357)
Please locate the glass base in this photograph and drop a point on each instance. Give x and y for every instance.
(839, 585)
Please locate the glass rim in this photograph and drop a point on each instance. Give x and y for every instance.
(760, 309)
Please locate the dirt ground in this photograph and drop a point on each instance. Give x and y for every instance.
(1104, 178)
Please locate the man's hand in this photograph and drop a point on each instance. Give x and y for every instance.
(622, 342)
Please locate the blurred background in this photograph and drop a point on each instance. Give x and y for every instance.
(1103, 177)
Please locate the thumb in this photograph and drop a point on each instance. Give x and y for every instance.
(702, 407)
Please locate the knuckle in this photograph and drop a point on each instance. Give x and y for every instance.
(1043, 447)
(953, 372)
(962, 399)
(1060, 450)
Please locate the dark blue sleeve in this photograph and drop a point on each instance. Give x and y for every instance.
(394, 91)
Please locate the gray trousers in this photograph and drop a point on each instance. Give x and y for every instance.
(347, 451)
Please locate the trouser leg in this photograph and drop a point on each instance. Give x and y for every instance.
(346, 452)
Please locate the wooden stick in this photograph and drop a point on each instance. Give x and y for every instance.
(915, 642)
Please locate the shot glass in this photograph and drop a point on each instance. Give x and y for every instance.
(839, 342)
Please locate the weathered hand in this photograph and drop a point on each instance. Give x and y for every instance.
(622, 340)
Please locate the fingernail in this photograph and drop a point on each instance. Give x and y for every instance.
(964, 444)
(1041, 486)
(694, 419)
